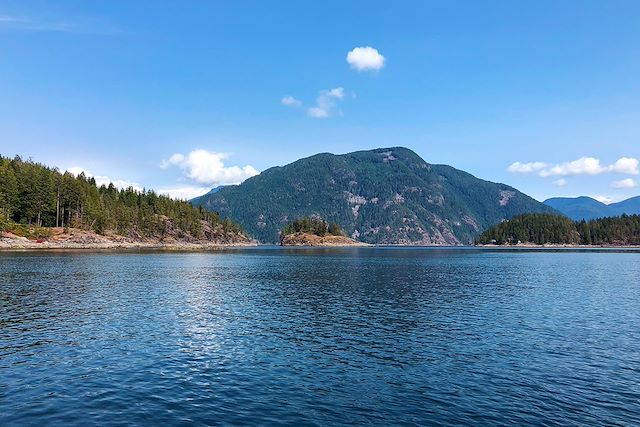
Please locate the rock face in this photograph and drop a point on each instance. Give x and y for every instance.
(382, 196)
(171, 238)
(308, 239)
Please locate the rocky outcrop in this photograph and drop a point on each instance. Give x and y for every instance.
(308, 239)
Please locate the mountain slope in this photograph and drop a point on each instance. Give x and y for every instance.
(385, 196)
(630, 206)
(580, 208)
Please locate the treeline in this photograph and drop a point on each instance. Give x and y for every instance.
(312, 225)
(33, 194)
(555, 229)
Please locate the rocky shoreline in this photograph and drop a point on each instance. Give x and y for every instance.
(81, 239)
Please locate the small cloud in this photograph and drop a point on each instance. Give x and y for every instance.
(560, 182)
(104, 180)
(337, 93)
(626, 165)
(365, 59)
(183, 193)
(290, 101)
(624, 184)
(208, 168)
(518, 167)
(326, 103)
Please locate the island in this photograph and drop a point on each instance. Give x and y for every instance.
(314, 231)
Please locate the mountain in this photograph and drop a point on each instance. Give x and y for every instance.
(630, 206)
(580, 208)
(384, 196)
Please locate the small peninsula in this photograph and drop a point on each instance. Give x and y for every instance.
(43, 208)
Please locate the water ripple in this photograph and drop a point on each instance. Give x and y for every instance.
(320, 337)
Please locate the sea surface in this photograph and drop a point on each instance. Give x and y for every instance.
(319, 337)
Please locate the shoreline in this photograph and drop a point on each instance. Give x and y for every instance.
(78, 239)
(557, 246)
(124, 246)
(204, 247)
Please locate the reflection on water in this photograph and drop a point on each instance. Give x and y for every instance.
(320, 336)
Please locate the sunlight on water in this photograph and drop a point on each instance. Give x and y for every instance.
(320, 336)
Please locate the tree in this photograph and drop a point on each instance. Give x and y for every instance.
(334, 229)
(9, 195)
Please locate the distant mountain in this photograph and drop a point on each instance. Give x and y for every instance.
(384, 196)
(630, 206)
(580, 208)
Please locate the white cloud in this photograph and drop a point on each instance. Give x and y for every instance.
(581, 166)
(624, 184)
(337, 92)
(518, 167)
(104, 180)
(290, 101)
(208, 168)
(626, 165)
(560, 182)
(365, 59)
(184, 193)
(326, 103)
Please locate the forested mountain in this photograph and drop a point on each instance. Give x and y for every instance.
(37, 195)
(555, 229)
(386, 196)
(579, 208)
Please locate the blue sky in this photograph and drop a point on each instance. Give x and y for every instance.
(181, 96)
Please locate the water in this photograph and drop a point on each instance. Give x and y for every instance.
(321, 337)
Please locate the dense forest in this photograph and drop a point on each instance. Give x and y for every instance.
(555, 229)
(312, 225)
(34, 195)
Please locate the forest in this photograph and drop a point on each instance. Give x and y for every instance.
(556, 229)
(34, 195)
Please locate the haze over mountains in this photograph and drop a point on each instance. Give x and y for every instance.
(385, 196)
(579, 208)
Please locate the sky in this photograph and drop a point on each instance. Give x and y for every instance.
(182, 96)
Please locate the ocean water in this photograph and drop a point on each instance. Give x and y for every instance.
(367, 336)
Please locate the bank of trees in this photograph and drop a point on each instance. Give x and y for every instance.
(556, 229)
(33, 194)
(312, 225)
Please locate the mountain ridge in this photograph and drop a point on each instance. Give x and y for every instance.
(587, 208)
(382, 196)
